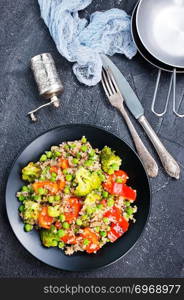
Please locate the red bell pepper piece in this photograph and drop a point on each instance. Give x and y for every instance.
(73, 208)
(44, 220)
(119, 225)
(69, 239)
(119, 189)
(54, 169)
(93, 239)
(117, 230)
(63, 163)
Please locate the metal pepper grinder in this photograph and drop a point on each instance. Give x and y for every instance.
(47, 79)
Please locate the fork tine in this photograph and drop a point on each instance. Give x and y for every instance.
(110, 83)
(105, 86)
(113, 81)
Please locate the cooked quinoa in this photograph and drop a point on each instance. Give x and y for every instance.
(77, 197)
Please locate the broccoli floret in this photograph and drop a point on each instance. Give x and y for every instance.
(86, 181)
(54, 211)
(31, 172)
(92, 198)
(30, 212)
(49, 238)
(110, 162)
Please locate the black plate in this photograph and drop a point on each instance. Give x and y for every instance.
(138, 180)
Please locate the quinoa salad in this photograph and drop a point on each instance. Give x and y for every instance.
(77, 197)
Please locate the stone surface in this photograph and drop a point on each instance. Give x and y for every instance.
(159, 252)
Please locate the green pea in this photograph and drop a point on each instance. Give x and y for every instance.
(51, 199)
(62, 218)
(94, 209)
(97, 228)
(68, 177)
(31, 189)
(66, 147)
(57, 154)
(53, 174)
(110, 202)
(49, 154)
(78, 155)
(84, 148)
(83, 140)
(57, 197)
(25, 188)
(21, 208)
(127, 203)
(42, 178)
(75, 161)
(89, 210)
(100, 206)
(79, 222)
(106, 220)
(37, 197)
(88, 163)
(61, 245)
(67, 190)
(65, 171)
(103, 233)
(43, 158)
(42, 191)
(119, 180)
(66, 225)
(126, 216)
(28, 227)
(129, 210)
(92, 153)
(53, 179)
(105, 194)
(21, 198)
(86, 242)
(61, 233)
(72, 146)
(84, 217)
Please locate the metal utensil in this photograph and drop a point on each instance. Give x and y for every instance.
(156, 63)
(159, 27)
(47, 79)
(136, 108)
(116, 99)
(144, 52)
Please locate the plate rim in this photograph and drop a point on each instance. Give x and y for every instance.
(164, 66)
(67, 126)
(139, 7)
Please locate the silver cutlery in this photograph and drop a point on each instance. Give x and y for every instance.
(116, 99)
(169, 163)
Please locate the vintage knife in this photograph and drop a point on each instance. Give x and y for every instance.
(132, 102)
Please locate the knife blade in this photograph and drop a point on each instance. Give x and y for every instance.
(127, 92)
(132, 102)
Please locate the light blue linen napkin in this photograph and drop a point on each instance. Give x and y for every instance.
(81, 41)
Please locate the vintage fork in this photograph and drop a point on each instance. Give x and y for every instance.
(115, 98)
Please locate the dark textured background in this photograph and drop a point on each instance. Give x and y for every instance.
(160, 251)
